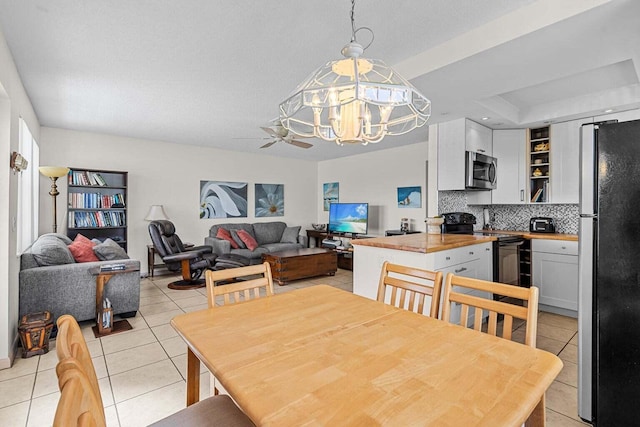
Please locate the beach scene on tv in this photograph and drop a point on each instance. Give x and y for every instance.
(348, 218)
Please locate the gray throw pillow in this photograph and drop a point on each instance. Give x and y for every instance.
(238, 240)
(66, 240)
(290, 235)
(109, 250)
(51, 250)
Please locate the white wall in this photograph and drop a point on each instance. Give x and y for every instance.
(374, 178)
(14, 103)
(170, 174)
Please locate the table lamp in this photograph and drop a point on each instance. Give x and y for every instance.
(54, 172)
(155, 213)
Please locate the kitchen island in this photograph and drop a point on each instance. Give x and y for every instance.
(464, 255)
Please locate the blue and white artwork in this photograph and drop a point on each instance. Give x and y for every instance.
(410, 197)
(269, 200)
(221, 199)
(330, 192)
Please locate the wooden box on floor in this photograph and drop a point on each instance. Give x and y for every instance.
(301, 263)
(35, 330)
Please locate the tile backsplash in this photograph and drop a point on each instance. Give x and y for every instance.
(511, 217)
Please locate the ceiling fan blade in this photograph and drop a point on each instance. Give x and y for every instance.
(269, 131)
(268, 144)
(300, 144)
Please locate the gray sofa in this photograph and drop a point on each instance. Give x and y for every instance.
(50, 280)
(271, 237)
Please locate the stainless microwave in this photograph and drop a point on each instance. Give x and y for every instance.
(480, 171)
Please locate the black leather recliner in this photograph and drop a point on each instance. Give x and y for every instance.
(190, 262)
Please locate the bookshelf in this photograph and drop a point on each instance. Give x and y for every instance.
(539, 165)
(97, 204)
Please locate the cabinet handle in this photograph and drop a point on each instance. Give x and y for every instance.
(460, 270)
(522, 195)
(564, 247)
(487, 249)
(480, 150)
(470, 252)
(448, 258)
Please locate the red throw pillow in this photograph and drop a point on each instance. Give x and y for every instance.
(223, 233)
(248, 240)
(82, 249)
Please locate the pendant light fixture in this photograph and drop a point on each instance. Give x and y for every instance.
(354, 100)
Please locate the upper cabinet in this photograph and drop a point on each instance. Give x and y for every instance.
(565, 160)
(539, 165)
(454, 138)
(509, 147)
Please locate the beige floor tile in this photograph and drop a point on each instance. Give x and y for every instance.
(49, 360)
(20, 368)
(191, 301)
(162, 318)
(126, 360)
(180, 363)
(570, 353)
(554, 332)
(95, 348)
(563, 399)
(161, 307)
(550, 345)
(111, 415)
(158, 404)
(134, 338)
(196, 308)
(15, 415)
(137, 323)
(569, 374)
(46, 383)
(105, 391)
(139, 381)
(174, 346)
(43, 410)
(100, 367)
(87, 331)
(16, 390)
(151, 292)
(559, 321)
(163, 332)
(153, 299)
(178, 294)
(574, 340)
(555, 419)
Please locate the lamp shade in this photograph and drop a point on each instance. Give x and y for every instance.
(155, 213)
(54, 171)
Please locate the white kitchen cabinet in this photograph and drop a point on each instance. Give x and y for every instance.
(555, 273)
(510, 148)
(454, 138)
(565, 160)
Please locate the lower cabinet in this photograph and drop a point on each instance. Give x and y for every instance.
(555, 273)
(474, 261)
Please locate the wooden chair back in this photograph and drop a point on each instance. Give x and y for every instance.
(239, 290)
(407, 287)
(529, 312)
(78, 405)
(70, 343)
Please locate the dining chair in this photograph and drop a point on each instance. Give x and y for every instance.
(81, 404)
(453, 294)
(239, 284)
(407, 287)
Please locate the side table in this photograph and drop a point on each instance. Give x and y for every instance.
(102, 278)
(317, 237)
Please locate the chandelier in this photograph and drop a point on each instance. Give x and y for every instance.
(354, 100)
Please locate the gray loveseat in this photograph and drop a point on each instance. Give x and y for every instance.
(271, 237)
(67, 287)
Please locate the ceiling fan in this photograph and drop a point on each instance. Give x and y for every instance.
(280, 133)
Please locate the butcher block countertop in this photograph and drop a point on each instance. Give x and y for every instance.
(530, 235)
(423, 242)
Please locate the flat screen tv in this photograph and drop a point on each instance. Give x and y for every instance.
(351, 218)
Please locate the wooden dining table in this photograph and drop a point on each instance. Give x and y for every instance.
(324, 356)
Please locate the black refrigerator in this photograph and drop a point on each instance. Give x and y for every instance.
(609, 278)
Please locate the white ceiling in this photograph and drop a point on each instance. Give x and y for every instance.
(211, 72)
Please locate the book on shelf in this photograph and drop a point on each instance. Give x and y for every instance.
(537, 196)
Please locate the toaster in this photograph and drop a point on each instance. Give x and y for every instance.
(542, 224)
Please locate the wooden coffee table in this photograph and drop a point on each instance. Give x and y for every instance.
(301, 263)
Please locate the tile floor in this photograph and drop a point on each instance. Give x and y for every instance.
(145, 367)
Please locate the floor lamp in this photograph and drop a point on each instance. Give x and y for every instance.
(54, 172)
